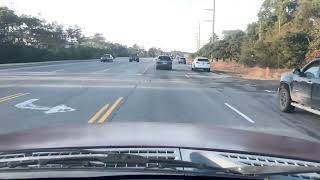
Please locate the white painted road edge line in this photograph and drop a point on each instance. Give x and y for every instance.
(240, 113)
(187, 76)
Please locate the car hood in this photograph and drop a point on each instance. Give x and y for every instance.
(162, 135)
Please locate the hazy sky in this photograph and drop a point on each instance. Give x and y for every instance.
(168, 24)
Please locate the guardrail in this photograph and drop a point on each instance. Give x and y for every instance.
(18, 65)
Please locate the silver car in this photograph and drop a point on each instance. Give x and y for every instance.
(106, 58)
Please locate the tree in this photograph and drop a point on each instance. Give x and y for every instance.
(153, 52)
(25, 38)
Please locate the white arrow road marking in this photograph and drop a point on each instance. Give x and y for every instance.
(48, 110)
(29, 105)
(60, 108)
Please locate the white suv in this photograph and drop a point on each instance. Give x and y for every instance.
(201, 63)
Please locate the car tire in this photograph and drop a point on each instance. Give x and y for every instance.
(208, 70)
(285, 100)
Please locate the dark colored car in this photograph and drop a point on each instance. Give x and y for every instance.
(106, 58)
(301, 89)
(179, 149)
(164, 62)
(134, 58)
(182, 60)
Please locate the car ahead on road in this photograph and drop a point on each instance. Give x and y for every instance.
(134, 58)
(106, 58)
(174, 151)
(182, 60)
(301, 88)
(164, 62)
(200, 63)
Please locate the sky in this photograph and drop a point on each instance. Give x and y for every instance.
(167, 24)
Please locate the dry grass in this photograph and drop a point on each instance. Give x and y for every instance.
(247, 72)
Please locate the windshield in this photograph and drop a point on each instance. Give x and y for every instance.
(165, 58)
(203, 60)
(238, 76)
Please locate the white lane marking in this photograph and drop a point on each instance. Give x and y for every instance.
(187, 76)
(270, 91)
(32, 67)
(240, 113)
(147, 68)
(102, 71)
(48, 110)
(59, 70)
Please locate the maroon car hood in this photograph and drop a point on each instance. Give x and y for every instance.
(162, 135)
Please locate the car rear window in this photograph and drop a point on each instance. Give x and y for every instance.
(183, 58)
(203, 60)
(165, 58)
(107, 56)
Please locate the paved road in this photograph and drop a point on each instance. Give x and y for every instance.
(98, 94)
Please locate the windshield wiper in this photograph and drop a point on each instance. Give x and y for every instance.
(87, 158)
(95, 158)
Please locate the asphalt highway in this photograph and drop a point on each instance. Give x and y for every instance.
(97, 94)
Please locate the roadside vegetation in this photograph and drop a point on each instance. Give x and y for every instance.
(287, 34)
(26, 38)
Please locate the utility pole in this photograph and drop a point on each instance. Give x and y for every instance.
(199, 36)
(213, 20)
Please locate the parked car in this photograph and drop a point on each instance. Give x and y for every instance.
(164, 62)
(182, 60)
(201, 63)
(106, 58)
(134, 58)
(301, 88)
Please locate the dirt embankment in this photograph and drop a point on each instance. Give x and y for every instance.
(248, 72)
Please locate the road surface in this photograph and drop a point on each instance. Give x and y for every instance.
(97, 94)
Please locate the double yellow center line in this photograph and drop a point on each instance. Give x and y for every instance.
(7, 98)
(104, 112)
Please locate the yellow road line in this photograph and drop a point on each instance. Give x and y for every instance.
(7, 98)
(110, 110)
(95, 117)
